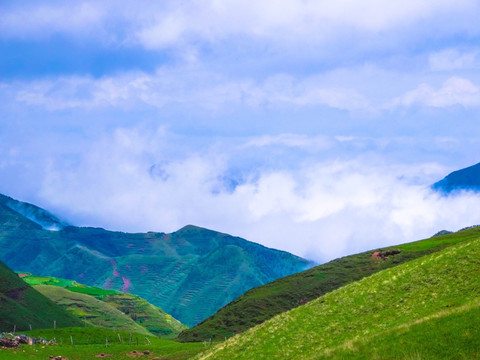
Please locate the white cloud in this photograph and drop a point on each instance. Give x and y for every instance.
(283, 24)
(42, 20)
(453, 59)
(454, 91)
(288, 22)
(291, 140)
(185, 85)
(320, 209)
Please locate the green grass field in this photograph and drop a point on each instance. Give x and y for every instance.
(361, 320)
(449, 334)
(89, 343)
(264, 302)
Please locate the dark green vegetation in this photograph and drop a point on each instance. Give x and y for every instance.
(89, 343)
(190, 273)
(427, 308)
(107, 308)
(464, 179)
(22, 306)
(264, 302)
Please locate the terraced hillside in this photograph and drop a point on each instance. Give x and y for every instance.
(262, 303)
(22, 306)
(107, 308)
(383, 316)
(190, 273)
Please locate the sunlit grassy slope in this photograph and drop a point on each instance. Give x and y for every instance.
(22, 306)
(393, 306)
(89, 343)
(107, 308)
(264, 302)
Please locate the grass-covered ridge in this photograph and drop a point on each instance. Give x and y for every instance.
(435, 288)
(262, 303)
(21, 306)
(107, 308)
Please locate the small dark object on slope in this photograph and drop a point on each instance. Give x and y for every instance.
(384, 254)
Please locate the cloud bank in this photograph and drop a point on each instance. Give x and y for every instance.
(321, 210)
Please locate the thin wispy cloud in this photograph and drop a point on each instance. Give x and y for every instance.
(454, 91)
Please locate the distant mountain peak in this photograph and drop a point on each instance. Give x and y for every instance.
(463, 179)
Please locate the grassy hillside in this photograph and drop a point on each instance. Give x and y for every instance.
(89, 343)
(107, 308)
(23, 306)
(190, 273)
(439, 289)
(449, 334)
(264, 302)
(94, 312)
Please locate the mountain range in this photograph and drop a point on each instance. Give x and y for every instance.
(189, 273)
(417, 300)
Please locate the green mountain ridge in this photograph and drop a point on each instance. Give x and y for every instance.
(382, 316)
(262, 303)
(190, 273)
(107, 308)
(21, 306)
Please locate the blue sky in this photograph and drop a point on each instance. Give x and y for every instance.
(310, 126)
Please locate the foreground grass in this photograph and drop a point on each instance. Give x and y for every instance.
(409, 299)
(262, 303)
(451, 334)
(90, 342)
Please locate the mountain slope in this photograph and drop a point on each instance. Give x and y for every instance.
(22, 306)
(94, 312)
(107, 308)
(464, 179)
(446, 282)
(262, 303)
(33, 213)
(190, 273)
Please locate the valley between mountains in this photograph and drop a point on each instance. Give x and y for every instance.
(82, 293)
